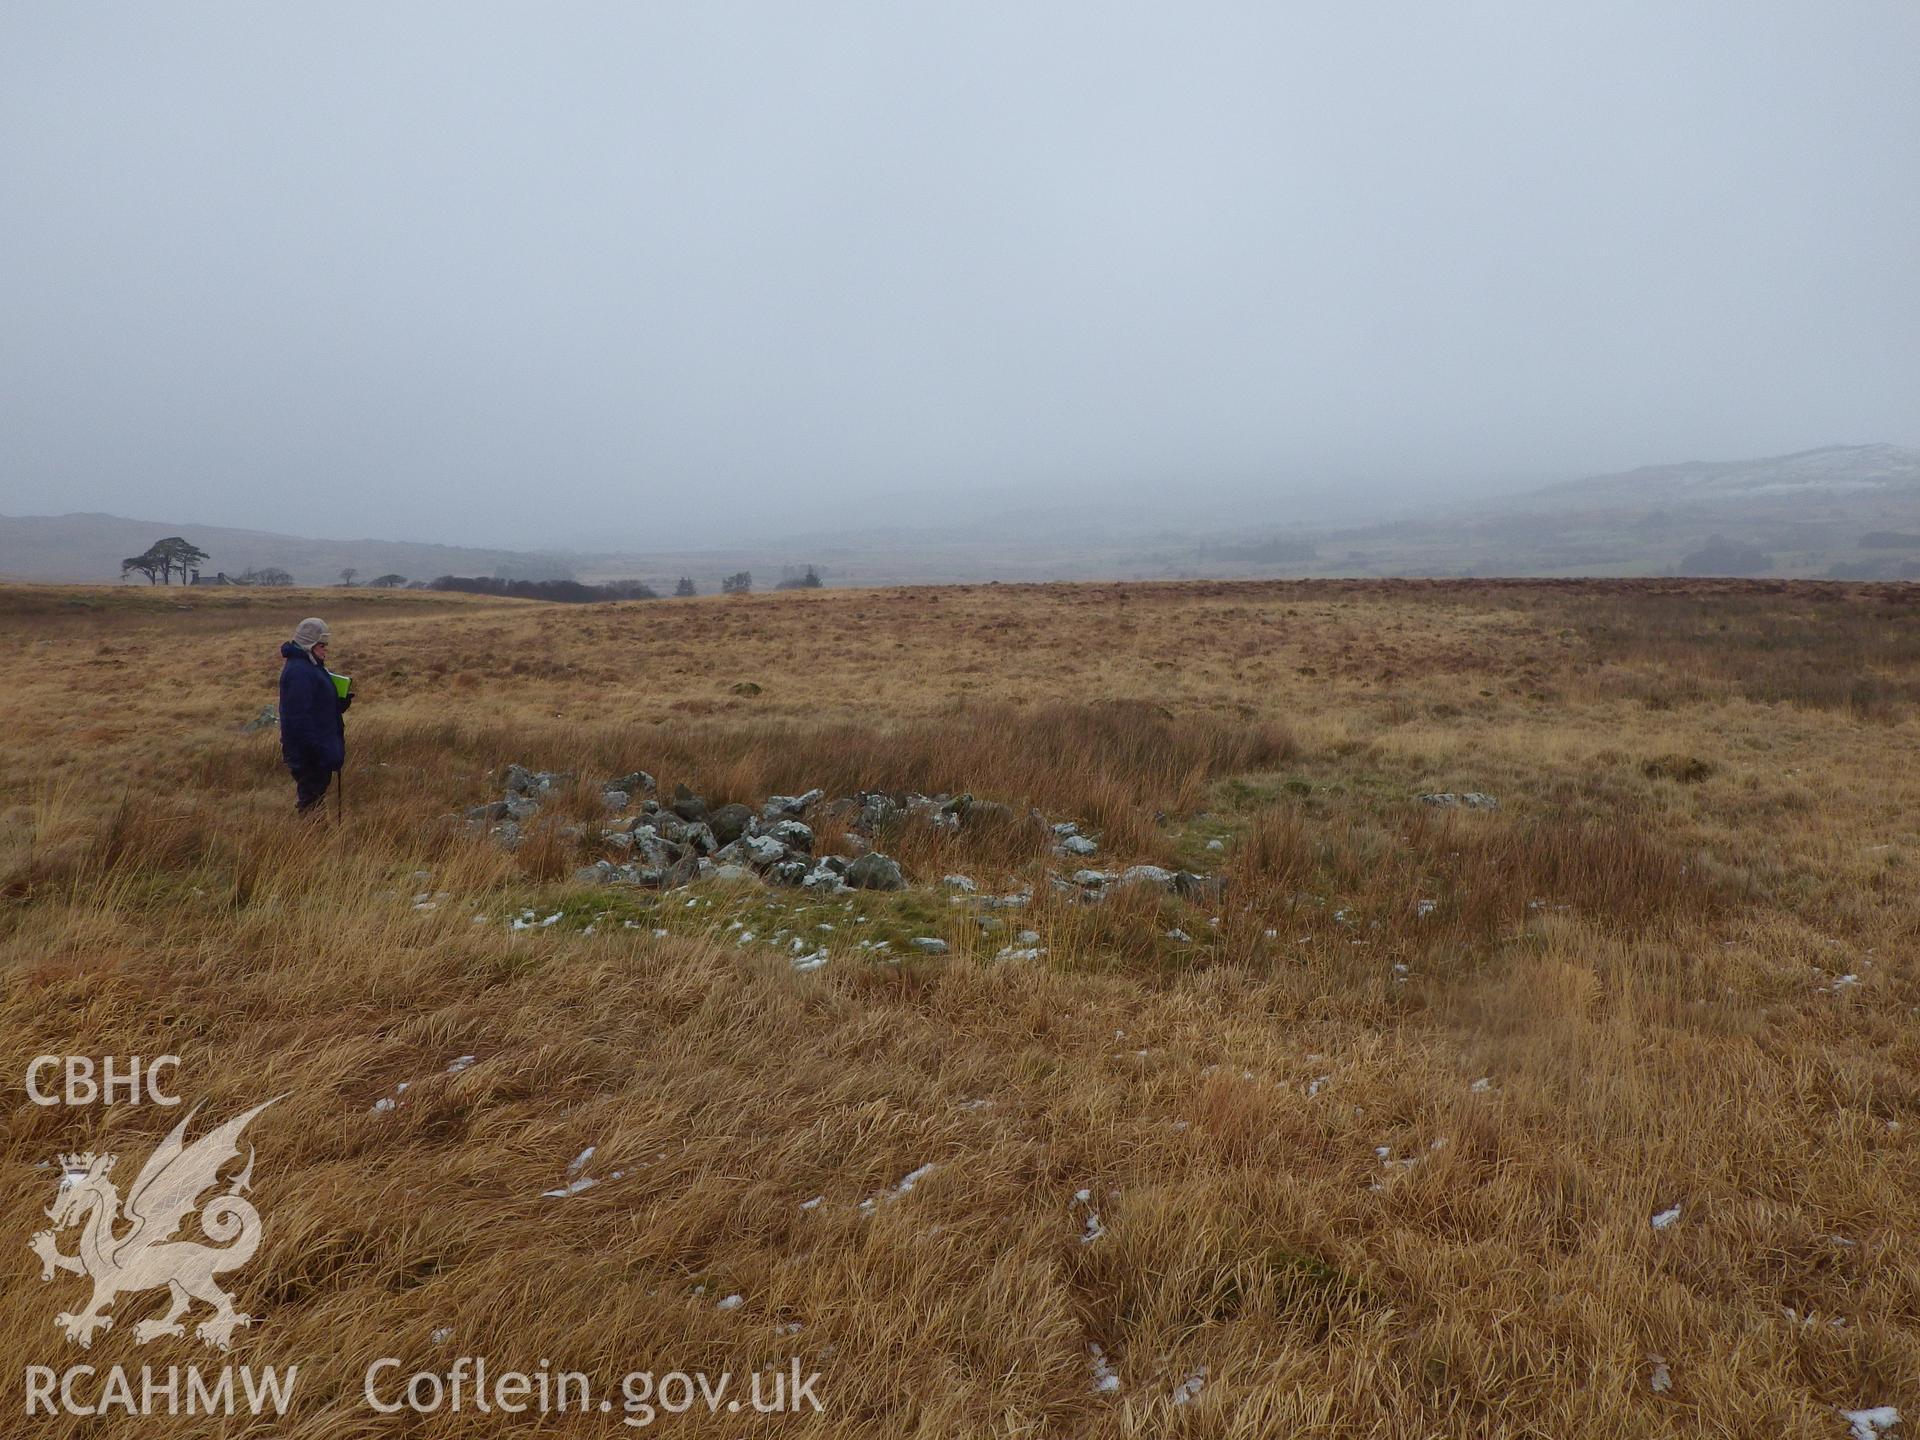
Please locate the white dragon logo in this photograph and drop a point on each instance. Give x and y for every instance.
(146, 1256)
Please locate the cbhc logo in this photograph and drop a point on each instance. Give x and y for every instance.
(116, 1079)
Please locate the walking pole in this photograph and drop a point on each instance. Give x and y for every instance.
(340, 795)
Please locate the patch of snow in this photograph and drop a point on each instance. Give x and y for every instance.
(1106, 1381)
(911, 1179)
(1868, 1424)
(1092, 1229)
(1666, 1218)
(1190, 1387)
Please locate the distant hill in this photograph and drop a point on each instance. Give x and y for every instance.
(91, 547)
(1844, 512)
(1840, 512)
(1834, 472)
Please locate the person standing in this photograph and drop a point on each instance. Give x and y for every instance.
(313, 730)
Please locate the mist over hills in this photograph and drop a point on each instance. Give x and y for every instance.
(1831, 470)
(1847, 512)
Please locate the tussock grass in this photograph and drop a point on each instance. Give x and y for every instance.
(1642, 967)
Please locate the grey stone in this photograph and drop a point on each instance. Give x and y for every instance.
(729, 822)
(615, 799)
(634, 782)
(963, 883)
(1091, 879)
(789, 806)
(823, 880)
(733, 874)
(878, 811)
(762, 850)
(700, 839)
(519, 807)
(665, 824)
(1078, 845)
(789, 872)
(1148, 875)
(1199, 887)
(1471, 799)
(792, 834)
(929, 945)
(876, 872)
(522, 781)
(267, 719)
(687, 805)
(489, 812)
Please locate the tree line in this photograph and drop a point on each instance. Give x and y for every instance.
(566, 591)
(163, 559)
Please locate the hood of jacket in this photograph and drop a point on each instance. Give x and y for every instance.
(289, 650)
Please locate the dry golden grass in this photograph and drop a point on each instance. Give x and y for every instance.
(1707, 816)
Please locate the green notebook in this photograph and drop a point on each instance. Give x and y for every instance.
(341, 684)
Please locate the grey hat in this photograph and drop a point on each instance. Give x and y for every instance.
(311, 632)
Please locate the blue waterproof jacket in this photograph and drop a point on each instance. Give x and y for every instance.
(313, 736)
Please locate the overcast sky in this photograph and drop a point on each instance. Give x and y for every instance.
(644, 273)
